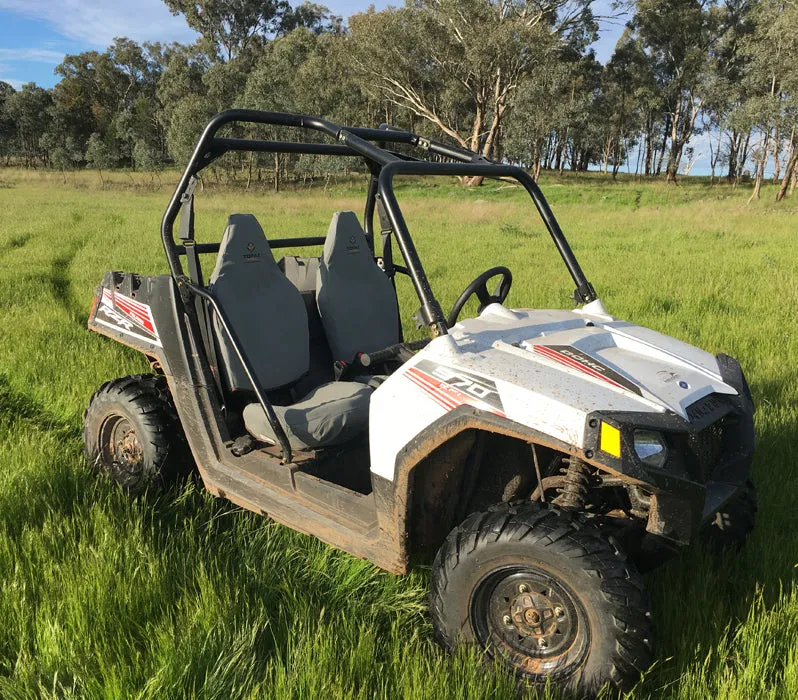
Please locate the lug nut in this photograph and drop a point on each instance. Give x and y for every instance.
(542, 643)
(559, 612)
(507, 620)
(523, 588)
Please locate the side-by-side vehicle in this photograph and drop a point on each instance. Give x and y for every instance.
(536, 457)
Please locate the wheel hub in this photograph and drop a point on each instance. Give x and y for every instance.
(539, 615)
(534, 614)
(121, 448)
(531, 619)
(128, 448)
(127, 445)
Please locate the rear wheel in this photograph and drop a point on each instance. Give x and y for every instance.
(545, 594)
(132, 433)
(734, 521)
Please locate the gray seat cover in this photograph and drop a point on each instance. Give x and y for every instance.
(265, 310)
(357, 302)
(330, 415)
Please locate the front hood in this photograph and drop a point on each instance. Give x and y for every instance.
(585, 359)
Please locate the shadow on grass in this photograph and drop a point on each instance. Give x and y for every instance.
(61, 284)
(15, 243)
(16, 407)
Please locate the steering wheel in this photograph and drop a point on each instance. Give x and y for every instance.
(480, 287)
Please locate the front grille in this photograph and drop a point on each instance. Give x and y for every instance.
(705, 449)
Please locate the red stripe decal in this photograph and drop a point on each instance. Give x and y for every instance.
(568, 362)
(440, 396)
(446, 396)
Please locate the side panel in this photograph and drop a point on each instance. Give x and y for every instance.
(140, 312)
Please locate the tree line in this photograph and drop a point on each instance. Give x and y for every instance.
(515, 80)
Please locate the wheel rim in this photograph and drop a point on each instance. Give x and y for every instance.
(121, 449)
(530, 620)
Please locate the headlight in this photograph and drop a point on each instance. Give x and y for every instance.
(651, 448)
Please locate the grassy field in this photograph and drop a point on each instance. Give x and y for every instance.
(183, 595)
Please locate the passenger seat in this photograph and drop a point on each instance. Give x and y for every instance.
(356, 300)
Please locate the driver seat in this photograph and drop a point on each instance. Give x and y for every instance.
(356, 300)
(268, 315)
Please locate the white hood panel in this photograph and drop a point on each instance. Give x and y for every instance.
(581, 362)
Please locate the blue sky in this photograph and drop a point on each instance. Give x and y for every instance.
(36, 34)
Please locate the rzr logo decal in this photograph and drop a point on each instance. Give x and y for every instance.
(576, 359)
(450, 387)
(128, 316)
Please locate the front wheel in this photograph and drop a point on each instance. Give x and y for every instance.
(547, 595)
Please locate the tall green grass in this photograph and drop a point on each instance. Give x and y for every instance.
(179, 594)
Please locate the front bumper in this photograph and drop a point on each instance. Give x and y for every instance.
(709, 458)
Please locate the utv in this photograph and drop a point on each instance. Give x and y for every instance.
(541, 454)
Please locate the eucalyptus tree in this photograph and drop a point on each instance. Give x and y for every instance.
(458, 63)
(28, 109)
(678, 36)
(98, 154)
(6, 121)
(227, 27)
(773, 85)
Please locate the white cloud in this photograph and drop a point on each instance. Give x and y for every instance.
(99, 21)
(35, 55)
(13, 82)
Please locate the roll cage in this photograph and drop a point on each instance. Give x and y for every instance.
(384, 165)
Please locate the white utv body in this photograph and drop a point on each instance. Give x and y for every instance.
(536, 458)
(547, 370)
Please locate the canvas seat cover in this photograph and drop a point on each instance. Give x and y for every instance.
(330, 415)
(264, 309)
(356, 301)
(267, 313)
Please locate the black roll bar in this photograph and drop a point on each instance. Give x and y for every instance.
(265, 404)
(433, 315)
(384, 166)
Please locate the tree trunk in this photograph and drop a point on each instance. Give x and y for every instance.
(734, 146)
(658, 171)
(674, 156)
(276, 172)
(649, 144)
(742, 157)
(788, 173)
(760, 170)
(563, 151)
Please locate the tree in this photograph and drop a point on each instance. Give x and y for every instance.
(677, 35)
(59, 159)
(458, 63)
(773, 106)
(228, 27)
(29, 109)
(188, 119)
(7, 126)
(98, 155)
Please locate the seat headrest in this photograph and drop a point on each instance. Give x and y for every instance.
(346, 244)
(243, 242)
